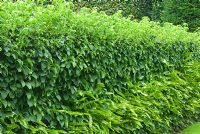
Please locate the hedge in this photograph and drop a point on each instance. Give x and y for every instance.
(48, 54)
(165, 105)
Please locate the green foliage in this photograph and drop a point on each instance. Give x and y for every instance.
(182, 11)
(157, 10)
(134, 8)
(164, 105)
(174, 11)
(110, 7)
(194, 129)
(52, 58)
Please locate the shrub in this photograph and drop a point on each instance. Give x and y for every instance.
(134, 8)
(182, 11)
(49, 53)
(110, 7)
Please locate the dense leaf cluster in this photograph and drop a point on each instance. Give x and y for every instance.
(182, 11)
(173, 11)
(134, 8)
(52, 58)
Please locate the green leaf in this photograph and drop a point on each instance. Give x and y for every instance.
(28, 95)
(4, 94)
(30, 102)
(58, 97)
(23, 83)
(28, 84)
